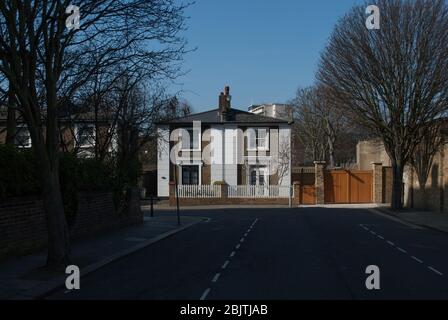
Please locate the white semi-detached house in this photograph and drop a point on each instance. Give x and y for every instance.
(246, 151)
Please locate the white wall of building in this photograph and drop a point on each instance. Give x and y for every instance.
(230, 155)
(216, 154)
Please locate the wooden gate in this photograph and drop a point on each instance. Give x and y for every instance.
(307, 195)
(344, 186)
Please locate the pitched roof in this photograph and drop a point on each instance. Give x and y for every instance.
(233, 116)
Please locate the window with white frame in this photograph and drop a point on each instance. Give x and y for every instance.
(85, 135)
(23, 137)
(191, 139)
(190, 175)
(258, 139)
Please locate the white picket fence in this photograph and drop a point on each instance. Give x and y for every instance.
(259, 191)
(196, 191)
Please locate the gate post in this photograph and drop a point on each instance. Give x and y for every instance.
(377, 188)
(319, 181)
(297, 199)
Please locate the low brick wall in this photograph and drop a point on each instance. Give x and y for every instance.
(23, 228)
(227, 201)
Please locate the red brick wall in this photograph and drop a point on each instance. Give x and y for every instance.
(227, 201)
(23, 228)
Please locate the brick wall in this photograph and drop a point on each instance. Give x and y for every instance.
(304, 194)
(227, 201)
(432, 195)
(23, 227)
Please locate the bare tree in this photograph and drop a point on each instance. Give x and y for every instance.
(423, 156)
(44, 62)
(283, 161)
(332, 117)
(392, 80)
(319, 123)
(309, 126)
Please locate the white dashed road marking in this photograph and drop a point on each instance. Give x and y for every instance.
(400, 249)
(226, 263)
(205, 294)
(417, 259)
(435, 270)
(216, 277)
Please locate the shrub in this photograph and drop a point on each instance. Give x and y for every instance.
(18, 172)
(81, 175)
(19, 176)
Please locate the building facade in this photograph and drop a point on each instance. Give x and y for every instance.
(224, 146)
(273, 110)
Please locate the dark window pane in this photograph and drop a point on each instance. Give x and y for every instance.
(190, 175)
(253, 177)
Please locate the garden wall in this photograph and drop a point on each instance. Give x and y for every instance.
(23, 227)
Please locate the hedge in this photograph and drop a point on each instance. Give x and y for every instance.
(19, 173)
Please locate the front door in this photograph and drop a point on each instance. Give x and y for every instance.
(258, 177)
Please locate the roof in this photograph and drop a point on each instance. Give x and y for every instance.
(65, 114)
(233, 116)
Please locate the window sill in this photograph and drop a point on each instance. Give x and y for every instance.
(259, 149)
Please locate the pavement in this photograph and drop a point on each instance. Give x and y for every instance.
(427, 219)
(26, 277)
(305, 253)
(166, 207)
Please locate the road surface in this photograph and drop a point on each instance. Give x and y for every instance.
(300, 253)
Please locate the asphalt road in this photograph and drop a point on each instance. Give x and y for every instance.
(301, 253)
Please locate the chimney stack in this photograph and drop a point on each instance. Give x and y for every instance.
(224, 101)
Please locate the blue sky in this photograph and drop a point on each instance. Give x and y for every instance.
(263, 49)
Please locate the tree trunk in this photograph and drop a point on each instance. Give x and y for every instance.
(397, 185)
(331, 138)
(58, 238)
(331, 153)
(11, 124)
